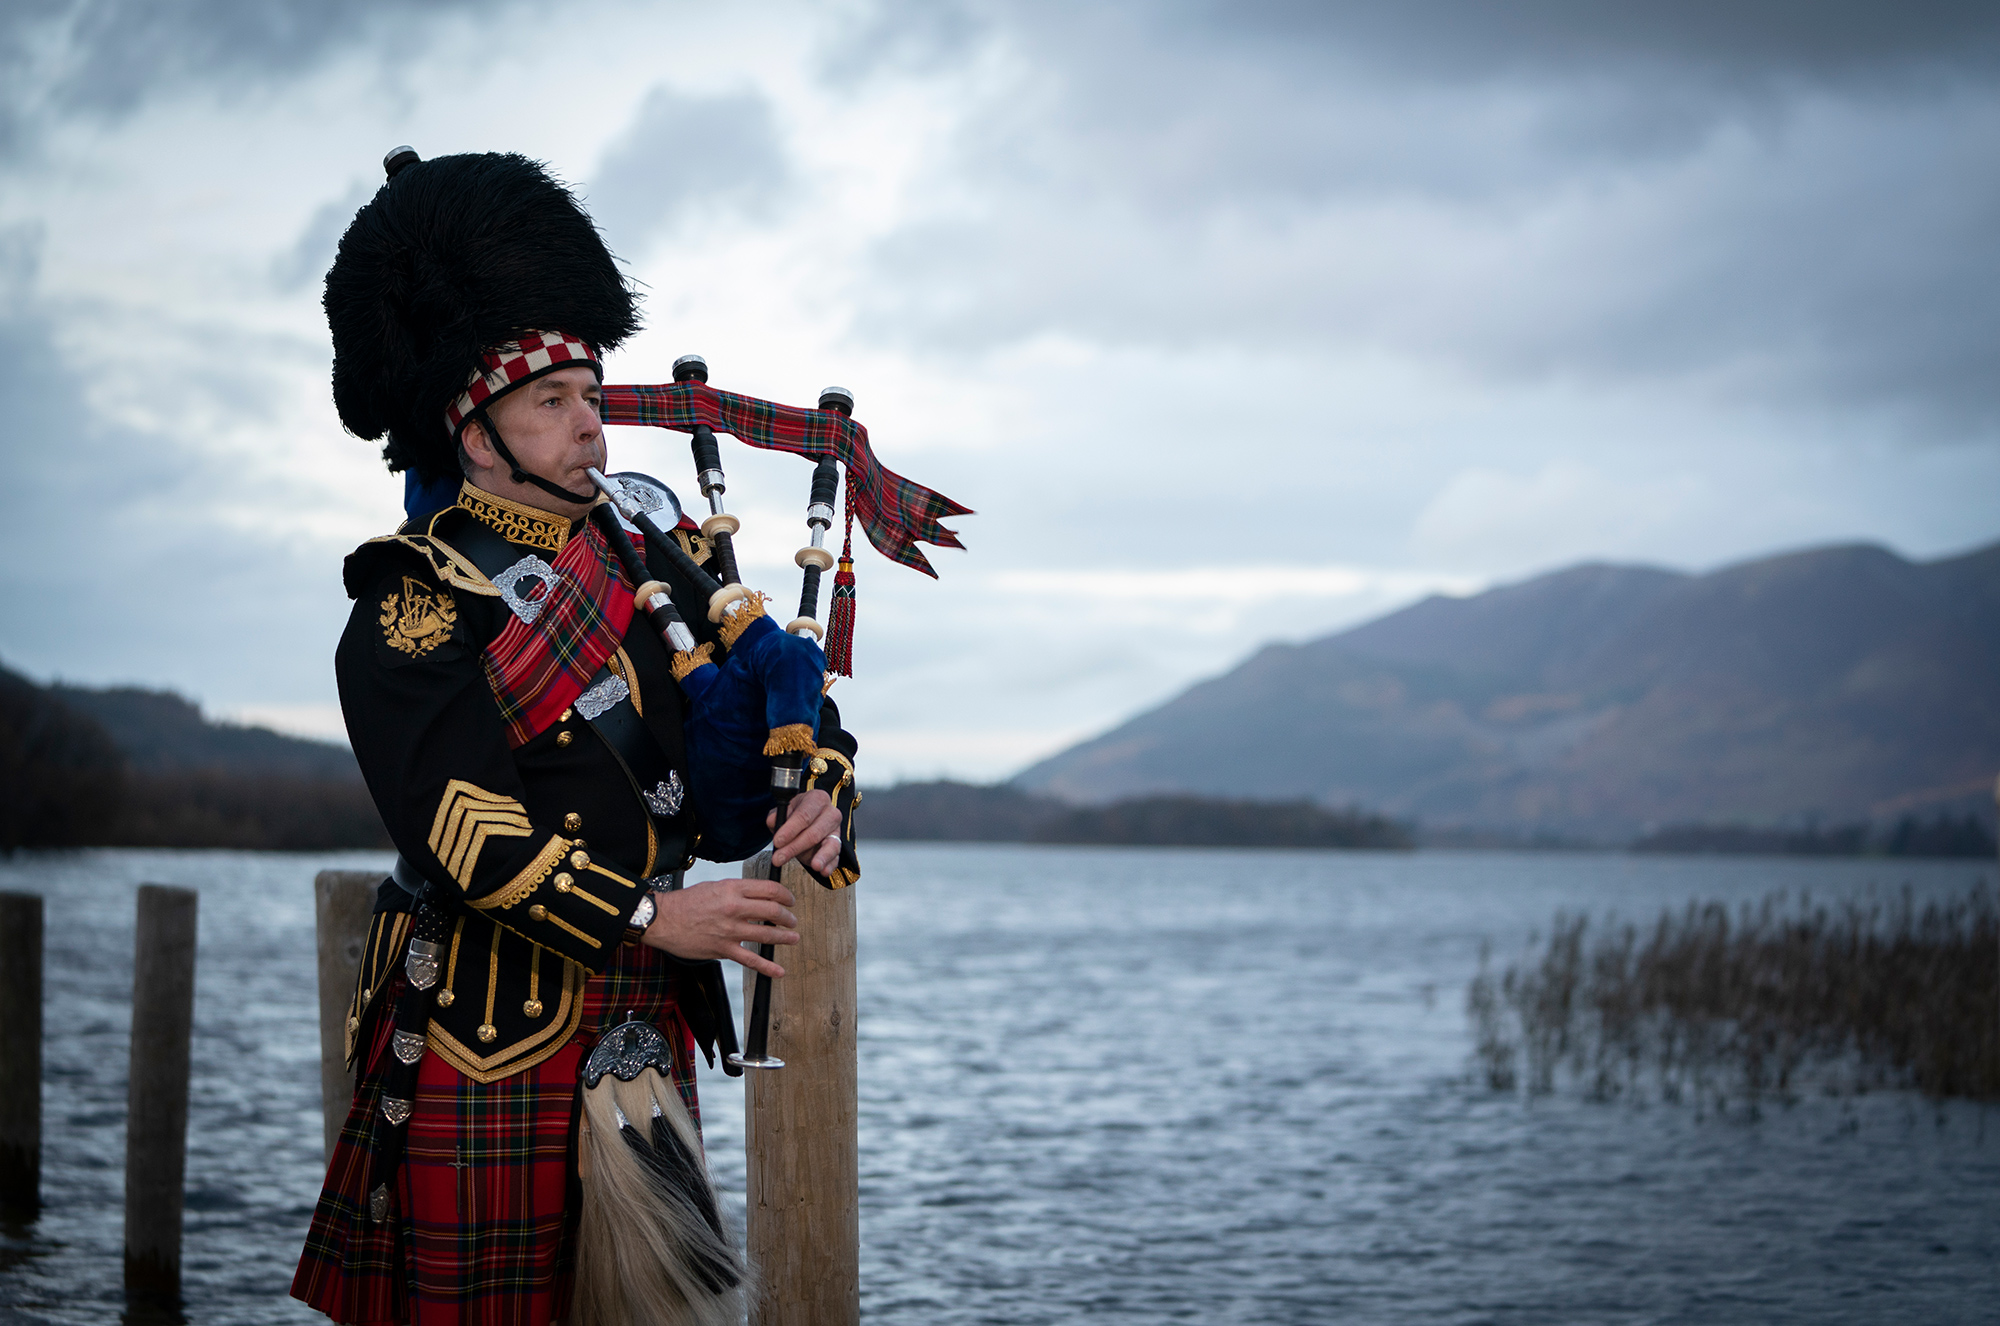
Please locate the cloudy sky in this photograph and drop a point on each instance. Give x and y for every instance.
(1233, 322)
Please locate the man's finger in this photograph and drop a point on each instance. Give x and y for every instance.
(824, 825)
(749, 958)
(766, 913)
(770, 892)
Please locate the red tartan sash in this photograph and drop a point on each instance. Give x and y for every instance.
(538, 669)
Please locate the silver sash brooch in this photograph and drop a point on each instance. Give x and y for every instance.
(508, 583)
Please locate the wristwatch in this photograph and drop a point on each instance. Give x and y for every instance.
(642, 917)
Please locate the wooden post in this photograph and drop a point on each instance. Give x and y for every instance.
(343, 901)
(20, 1055)
(804, 1230)
(157, 1109)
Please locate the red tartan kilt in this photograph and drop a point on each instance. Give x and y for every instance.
(485, 1200)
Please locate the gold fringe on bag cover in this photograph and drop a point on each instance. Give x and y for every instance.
(791, 738)
(651, 1250)
(687, 660)
(738, 621)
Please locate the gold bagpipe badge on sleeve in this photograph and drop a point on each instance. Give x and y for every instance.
(417, 618)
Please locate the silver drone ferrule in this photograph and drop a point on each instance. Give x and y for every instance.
(820, 516)
(678, 634)
(713, 488)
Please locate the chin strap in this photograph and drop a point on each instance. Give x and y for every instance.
(520, 475)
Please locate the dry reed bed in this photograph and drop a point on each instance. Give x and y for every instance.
(1779, 998)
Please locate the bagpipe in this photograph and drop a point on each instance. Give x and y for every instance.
(754, 714)
(651, 1242)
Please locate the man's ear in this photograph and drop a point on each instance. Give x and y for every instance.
(477, 447)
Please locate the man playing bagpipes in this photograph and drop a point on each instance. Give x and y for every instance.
(524, 729)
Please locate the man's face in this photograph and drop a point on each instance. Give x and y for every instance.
(554, 427)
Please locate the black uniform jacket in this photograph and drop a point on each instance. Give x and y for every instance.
(541, 849)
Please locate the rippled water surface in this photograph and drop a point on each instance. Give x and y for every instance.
(1131, 1085)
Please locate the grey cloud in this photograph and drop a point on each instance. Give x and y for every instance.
(1822, 240)
(1814, 39)
(307, 260)
(106, 57)
(132, 564)
(686, 156)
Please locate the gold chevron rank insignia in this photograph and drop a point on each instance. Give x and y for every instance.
(466, 818)
(417, 619)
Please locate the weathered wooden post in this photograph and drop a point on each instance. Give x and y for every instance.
(20, 1055)
(157, 1108)
(804, 1234)
(343, 900)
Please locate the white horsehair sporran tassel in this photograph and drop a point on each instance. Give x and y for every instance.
(651, 1250)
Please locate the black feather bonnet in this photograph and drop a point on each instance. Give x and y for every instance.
(452, 258)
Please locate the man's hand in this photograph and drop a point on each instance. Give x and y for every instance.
(716, 918)
(812, 824)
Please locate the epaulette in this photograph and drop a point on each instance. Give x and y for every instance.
(448, 565)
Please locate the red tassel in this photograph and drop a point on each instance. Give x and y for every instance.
(840, 621)
(840, 630)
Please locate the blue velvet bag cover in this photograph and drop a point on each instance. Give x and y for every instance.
(768, 681)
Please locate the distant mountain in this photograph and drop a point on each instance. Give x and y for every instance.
(135, 768)
(160, 731)
(1840, 683)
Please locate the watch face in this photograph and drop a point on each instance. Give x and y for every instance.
(642, 915)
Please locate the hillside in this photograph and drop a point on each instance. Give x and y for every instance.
(158, 731)
(1840, 683)
(134, 768)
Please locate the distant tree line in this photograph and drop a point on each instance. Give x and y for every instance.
(1945, 834)
(66, 782)
(946, 811)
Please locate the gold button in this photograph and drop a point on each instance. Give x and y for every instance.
(563, 882)
(445, 997)
(818, 765)
(539, 912)
(533, 1008)
(581, 860)
(564, 738)
(353, 1025)
(565, 715)
(572, 822)
(487, 1031)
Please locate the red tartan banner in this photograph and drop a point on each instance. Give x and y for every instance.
(896, 513)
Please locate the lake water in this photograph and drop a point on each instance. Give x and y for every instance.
(1138, 1086)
